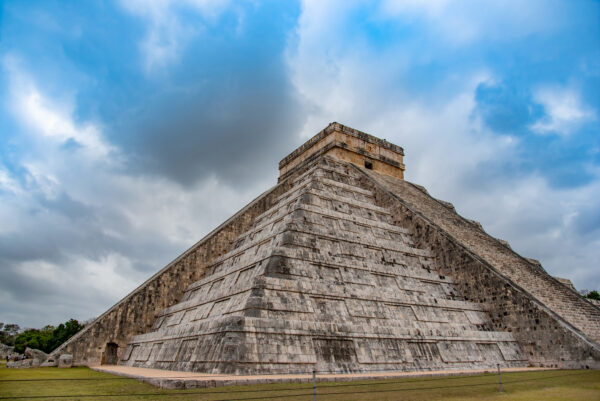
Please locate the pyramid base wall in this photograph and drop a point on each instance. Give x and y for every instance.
(245, 345)
(545, 339)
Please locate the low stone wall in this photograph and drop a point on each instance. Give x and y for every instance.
(546, 338)
(136, 313)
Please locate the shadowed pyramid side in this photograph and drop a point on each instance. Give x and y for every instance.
(561, 299)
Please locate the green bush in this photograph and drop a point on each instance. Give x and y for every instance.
(593, 295)
(48, 338)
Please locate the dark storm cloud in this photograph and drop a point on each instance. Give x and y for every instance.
(53, 230)
(43, 263)
(26, 295)
(68, 207)
(222, 130)
(227, 105)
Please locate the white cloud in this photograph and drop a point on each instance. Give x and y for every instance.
(461, 22)
(50, 119)
(8, 183)
(564, 108)
(167, 34)
(57, 124)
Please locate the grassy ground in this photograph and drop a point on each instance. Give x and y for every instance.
(549, 385)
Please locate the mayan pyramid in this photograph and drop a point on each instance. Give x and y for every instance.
(344, 266)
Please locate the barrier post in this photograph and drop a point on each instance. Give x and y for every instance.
(314, 385)
(499, 378)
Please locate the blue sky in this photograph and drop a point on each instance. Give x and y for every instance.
(129, 129)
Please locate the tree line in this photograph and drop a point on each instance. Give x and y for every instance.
(46, 339)
(595, 295)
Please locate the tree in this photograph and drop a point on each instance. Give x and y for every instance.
(8, 332)
(64, 331)
(48, 338)
(33, 338)
(593, 295)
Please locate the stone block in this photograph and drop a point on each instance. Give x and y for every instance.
(50, 362)
(65, 361)
(35, 353)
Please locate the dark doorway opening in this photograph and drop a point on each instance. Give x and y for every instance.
(110, 355)
(368, 165)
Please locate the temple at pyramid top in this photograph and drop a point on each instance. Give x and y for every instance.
(350, 145)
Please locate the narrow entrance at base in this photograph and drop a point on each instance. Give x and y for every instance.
(110, 355)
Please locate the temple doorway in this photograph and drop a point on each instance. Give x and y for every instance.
(110, 355)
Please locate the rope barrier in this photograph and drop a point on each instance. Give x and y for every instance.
(304, 393)
(307, 374)
(449, 377)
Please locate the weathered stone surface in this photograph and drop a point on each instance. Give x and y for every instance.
(349, 144)
(51, 361)
(32, 353)
(345, 267)
(503, 242)
(323, 280)
(21, 364)
(6, 350)
(566, 282)
(65, 361)
(553, 324)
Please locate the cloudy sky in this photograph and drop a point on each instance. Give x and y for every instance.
(130, 129)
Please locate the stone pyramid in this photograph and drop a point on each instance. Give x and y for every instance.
(323, 279)
(344, 266)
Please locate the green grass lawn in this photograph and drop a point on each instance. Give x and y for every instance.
(77, 382)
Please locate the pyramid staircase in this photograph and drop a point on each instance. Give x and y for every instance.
(323, 280)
